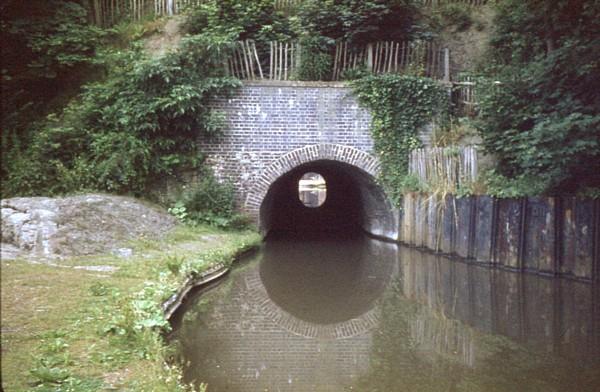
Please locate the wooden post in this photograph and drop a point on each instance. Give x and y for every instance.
(257, 60)
(285, 62)
(370, 57)
(292, 58)
(271, 61)
(298, 55)
(345, 56)
(280, 61)
(446, 65)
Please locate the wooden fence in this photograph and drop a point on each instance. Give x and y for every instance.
(109, 12)
(446, 167)
(282, 59)
(283, 5)
(244, 62)
(437, 3)
(464, 96)
(388, 56)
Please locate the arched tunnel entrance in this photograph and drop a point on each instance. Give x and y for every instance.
(353, 202)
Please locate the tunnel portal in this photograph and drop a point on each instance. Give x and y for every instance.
(354, 202)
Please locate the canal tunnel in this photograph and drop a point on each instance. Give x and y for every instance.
(353, 202)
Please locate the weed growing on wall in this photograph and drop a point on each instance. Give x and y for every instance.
(400, 106)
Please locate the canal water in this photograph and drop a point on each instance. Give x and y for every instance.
(342, 314)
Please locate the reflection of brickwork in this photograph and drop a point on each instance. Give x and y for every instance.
(265, 122)
(347, 329)
(242, 347)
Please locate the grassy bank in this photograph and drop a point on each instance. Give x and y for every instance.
(95, 323)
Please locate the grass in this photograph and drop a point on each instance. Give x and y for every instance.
(77, 330)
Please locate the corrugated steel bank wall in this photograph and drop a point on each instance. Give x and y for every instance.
(546, 235)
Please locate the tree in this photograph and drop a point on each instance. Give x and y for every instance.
(544, 122)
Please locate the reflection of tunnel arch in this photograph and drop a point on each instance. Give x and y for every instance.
(354, 199)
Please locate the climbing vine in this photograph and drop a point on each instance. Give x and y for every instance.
(400, 106)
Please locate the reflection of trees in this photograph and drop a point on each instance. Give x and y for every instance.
(408, 355)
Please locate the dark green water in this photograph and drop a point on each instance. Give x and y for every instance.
(326, 314)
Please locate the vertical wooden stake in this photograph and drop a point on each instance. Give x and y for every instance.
(280, 60)
(285, 62)
(446, 65)
(271, 61)
(257, 60)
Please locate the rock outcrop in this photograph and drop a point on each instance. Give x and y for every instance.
(51, 228)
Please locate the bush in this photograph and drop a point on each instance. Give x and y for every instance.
(456, 15)
(317, 59)
(140, 124)
(48, 50)
(359, 22)
(209, 202)
(543, 121)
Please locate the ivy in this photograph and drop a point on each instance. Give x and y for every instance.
(400, 105)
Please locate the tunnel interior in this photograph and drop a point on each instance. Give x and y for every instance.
(354, 202)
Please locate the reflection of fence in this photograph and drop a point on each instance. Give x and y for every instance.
(550, 235)
(449, 338)
(449, 167)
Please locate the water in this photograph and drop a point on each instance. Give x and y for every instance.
(327, 314)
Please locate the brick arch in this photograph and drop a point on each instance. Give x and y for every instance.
(295, 158)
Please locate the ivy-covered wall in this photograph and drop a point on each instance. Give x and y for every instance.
(401, 107)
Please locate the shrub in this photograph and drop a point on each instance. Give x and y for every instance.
(140, 124)
(456, 15)
(543, 122)
(209, 201)
(317, 59)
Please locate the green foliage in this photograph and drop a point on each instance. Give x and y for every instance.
(455, 15)
(209, 202)
(242, 19)
(138, 125)
(544, 120)
(51, 373)
(520, 186)
(411, 183)
(400, 106)
(317, 60)
(48, 49)
(359, 21)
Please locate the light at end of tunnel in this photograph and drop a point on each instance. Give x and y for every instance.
(312, 190)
